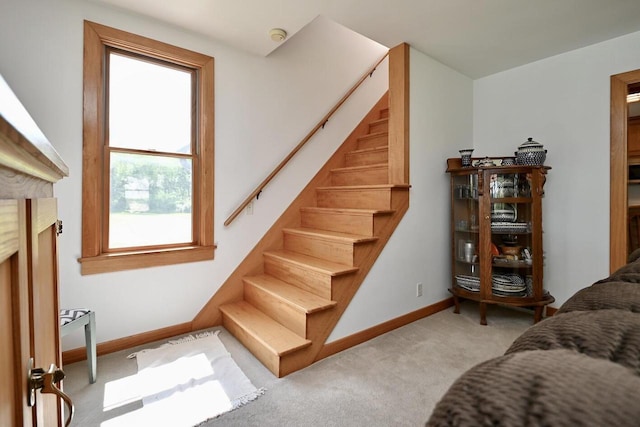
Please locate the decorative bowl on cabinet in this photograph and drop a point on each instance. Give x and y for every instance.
(531, 153)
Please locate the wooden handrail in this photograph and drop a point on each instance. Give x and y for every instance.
(297, 148)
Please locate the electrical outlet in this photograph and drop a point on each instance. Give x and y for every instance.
(250, 208)
(419, 290)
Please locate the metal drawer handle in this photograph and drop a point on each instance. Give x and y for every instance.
(45, 381)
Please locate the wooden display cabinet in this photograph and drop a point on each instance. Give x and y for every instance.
(496, 235)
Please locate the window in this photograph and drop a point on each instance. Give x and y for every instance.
(147, 178)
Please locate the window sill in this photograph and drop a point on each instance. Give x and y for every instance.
(106, 263)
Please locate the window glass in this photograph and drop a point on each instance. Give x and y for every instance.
(150, 111)
(150, 106)
(150, 200)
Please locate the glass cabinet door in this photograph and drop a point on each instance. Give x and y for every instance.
(511, 235)
(466, 232)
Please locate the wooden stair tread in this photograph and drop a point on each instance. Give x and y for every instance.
(373, 135)
(278, 339)
(331, 235)
(378, 121)
(317, 264)
(368, 150)
(348, 211)
(365, 187)
(362, 167)
(302, 300)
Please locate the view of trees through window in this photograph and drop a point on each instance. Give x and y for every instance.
(146, 185)
(150, 153)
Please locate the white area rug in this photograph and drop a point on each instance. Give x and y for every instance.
(187, 382)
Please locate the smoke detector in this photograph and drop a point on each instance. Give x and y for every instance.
(277, 34)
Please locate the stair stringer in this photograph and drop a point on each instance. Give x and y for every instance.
(232, 289)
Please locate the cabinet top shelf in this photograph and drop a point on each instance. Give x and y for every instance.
(19, 130)
(454, 165)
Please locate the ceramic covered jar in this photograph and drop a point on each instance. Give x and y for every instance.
(531, 153)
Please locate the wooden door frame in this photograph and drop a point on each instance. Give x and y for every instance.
(618, 235)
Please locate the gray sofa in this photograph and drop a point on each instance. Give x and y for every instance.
(580, 367)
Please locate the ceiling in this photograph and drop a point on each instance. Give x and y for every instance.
(474, 37)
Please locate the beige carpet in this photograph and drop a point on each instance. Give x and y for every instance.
(393, 380)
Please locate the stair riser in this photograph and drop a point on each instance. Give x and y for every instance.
(342, 253)
(363, 224)
(379, 127)
(292, 362)
(277, 309)
(377, 175)
(358, 158)
(373, 141)
(354, 198)
(308, 280)
(315, 321)
(384, 113)
(263, 354)
(341, 222)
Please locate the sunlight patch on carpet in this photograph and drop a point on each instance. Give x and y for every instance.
(184, 382)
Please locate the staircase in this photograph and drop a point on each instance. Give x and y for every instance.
(290, 305)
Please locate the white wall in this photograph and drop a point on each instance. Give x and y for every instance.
(264, 106)
(563, 103)
(441, 102)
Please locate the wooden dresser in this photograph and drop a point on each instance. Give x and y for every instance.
(29, 333)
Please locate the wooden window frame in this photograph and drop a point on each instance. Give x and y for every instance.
(95, 257)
